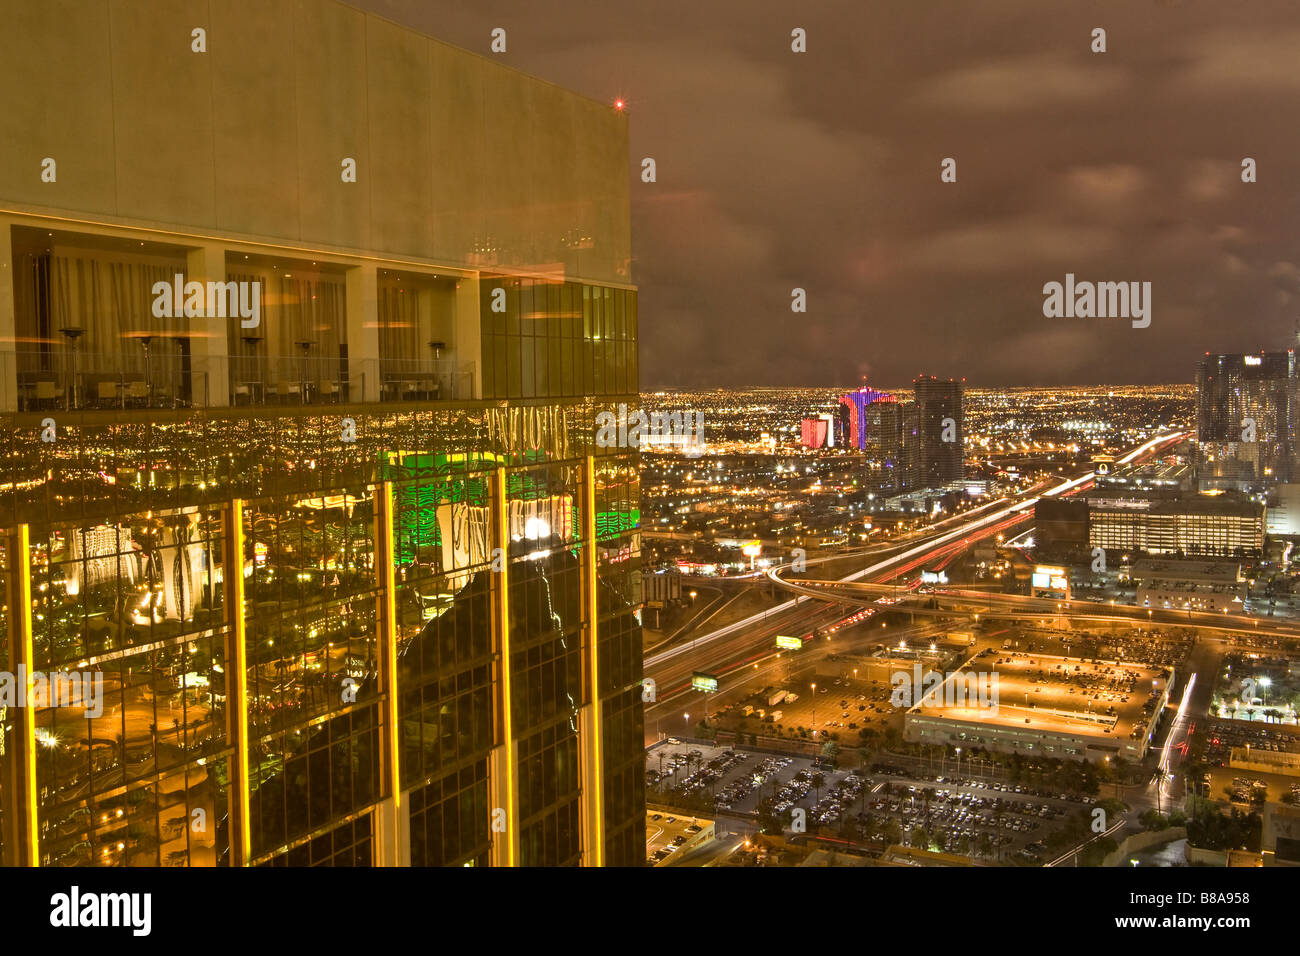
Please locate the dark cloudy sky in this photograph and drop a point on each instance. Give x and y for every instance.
(821, 170)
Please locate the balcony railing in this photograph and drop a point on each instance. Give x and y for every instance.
(294, 380)
(57, 380)
(423, 379)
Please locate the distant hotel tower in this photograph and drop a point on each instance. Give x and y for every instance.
(884, 429)
(361, 586)
(938, 401)
(1248, 418)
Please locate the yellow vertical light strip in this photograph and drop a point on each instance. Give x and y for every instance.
(388, 650)
(241, 843)
(501, 580)
(21, 570)
(589, 577)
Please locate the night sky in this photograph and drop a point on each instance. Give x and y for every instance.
(822, 170)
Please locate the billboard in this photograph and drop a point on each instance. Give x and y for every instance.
(1051, 580)
(789, 643)
(705, 682)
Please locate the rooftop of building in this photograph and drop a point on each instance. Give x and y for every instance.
(1167, 569)
(1225, 504)
(1155, 473)
(1064, 695)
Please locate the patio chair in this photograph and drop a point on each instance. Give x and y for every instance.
(137, 392)
(47, 391)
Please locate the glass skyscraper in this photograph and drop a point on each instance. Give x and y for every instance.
(940, 423)
(1247, 418)
(302, 340)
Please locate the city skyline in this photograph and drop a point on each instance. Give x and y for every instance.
(381, 489)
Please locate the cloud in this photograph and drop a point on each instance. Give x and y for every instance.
(1209, 180)
(1022, 83)
(1236, 61)
(1113, 182)
(821, 170)
(1012, 244)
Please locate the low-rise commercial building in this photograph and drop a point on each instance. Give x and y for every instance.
(1189, 585)
(1051, 706)
(1188, 524)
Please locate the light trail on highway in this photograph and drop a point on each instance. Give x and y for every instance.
(728, 649)
(1165, 775)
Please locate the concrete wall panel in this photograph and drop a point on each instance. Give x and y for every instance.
(460, 161)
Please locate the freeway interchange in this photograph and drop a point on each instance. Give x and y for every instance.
(745, 650)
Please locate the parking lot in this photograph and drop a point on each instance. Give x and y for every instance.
(839, 708)
(667, 832)
(983, 818)
(842, 705)
(1224, 734)
(737, 779)
(1064, 695)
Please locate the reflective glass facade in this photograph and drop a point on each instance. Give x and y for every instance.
(132, 571)
(329, 537)
(557, 339)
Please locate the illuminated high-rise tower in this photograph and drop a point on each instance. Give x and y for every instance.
(1248, 417)
(939, 422)
(855, 405)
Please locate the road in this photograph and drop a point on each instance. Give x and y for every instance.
(751, 641)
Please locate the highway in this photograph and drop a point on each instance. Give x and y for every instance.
(752, 640)
(1019, 606)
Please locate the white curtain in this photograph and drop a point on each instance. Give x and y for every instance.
(296, 310)
(113, 302)
(399, 329)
